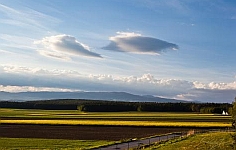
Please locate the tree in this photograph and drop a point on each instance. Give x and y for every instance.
(234, 113)
(234, 110)
(81, 108)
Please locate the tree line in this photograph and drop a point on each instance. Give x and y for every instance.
(117, 106)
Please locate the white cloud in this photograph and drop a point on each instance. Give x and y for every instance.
(102, 77)
(64, 45)
(14, 89)
(172, 88)
(38, 71)
(145, 84)
(172, 84)
(151, 80)
(187, 96)
(136, 43)
(14, 69)
(215, 86)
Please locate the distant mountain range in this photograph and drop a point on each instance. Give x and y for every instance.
(113, 96)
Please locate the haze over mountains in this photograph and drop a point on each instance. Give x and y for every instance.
(115, 96)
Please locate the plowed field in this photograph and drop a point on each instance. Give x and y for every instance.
(81, 132)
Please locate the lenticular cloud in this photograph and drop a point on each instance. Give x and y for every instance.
(65, 44)
(136, 43)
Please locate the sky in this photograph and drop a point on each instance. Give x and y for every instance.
(177, 49)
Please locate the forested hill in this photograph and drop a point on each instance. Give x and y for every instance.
(113, 96)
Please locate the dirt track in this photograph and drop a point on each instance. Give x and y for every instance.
(81, 132)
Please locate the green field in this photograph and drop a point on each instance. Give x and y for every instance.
(159, 119)
(207, 141)
(30, 143)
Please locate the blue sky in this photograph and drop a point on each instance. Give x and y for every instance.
(175, 49)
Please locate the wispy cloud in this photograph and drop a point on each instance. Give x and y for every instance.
(5, 52)
(176, 6)
(136, 43)
(25, 18)
(233, 17)
(64, 46)
(54, 55)
(16, 42)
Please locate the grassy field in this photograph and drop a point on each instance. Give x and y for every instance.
(159, 119)
(207, 141)
(30, 143)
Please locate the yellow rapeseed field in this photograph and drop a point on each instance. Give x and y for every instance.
(120, 123)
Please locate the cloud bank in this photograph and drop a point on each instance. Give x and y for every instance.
(63, 47)
(136, 43)
(38, 79)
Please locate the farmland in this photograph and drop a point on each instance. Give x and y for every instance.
(22, 125)
(151, 119)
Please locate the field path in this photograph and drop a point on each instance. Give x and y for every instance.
(138, 143)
